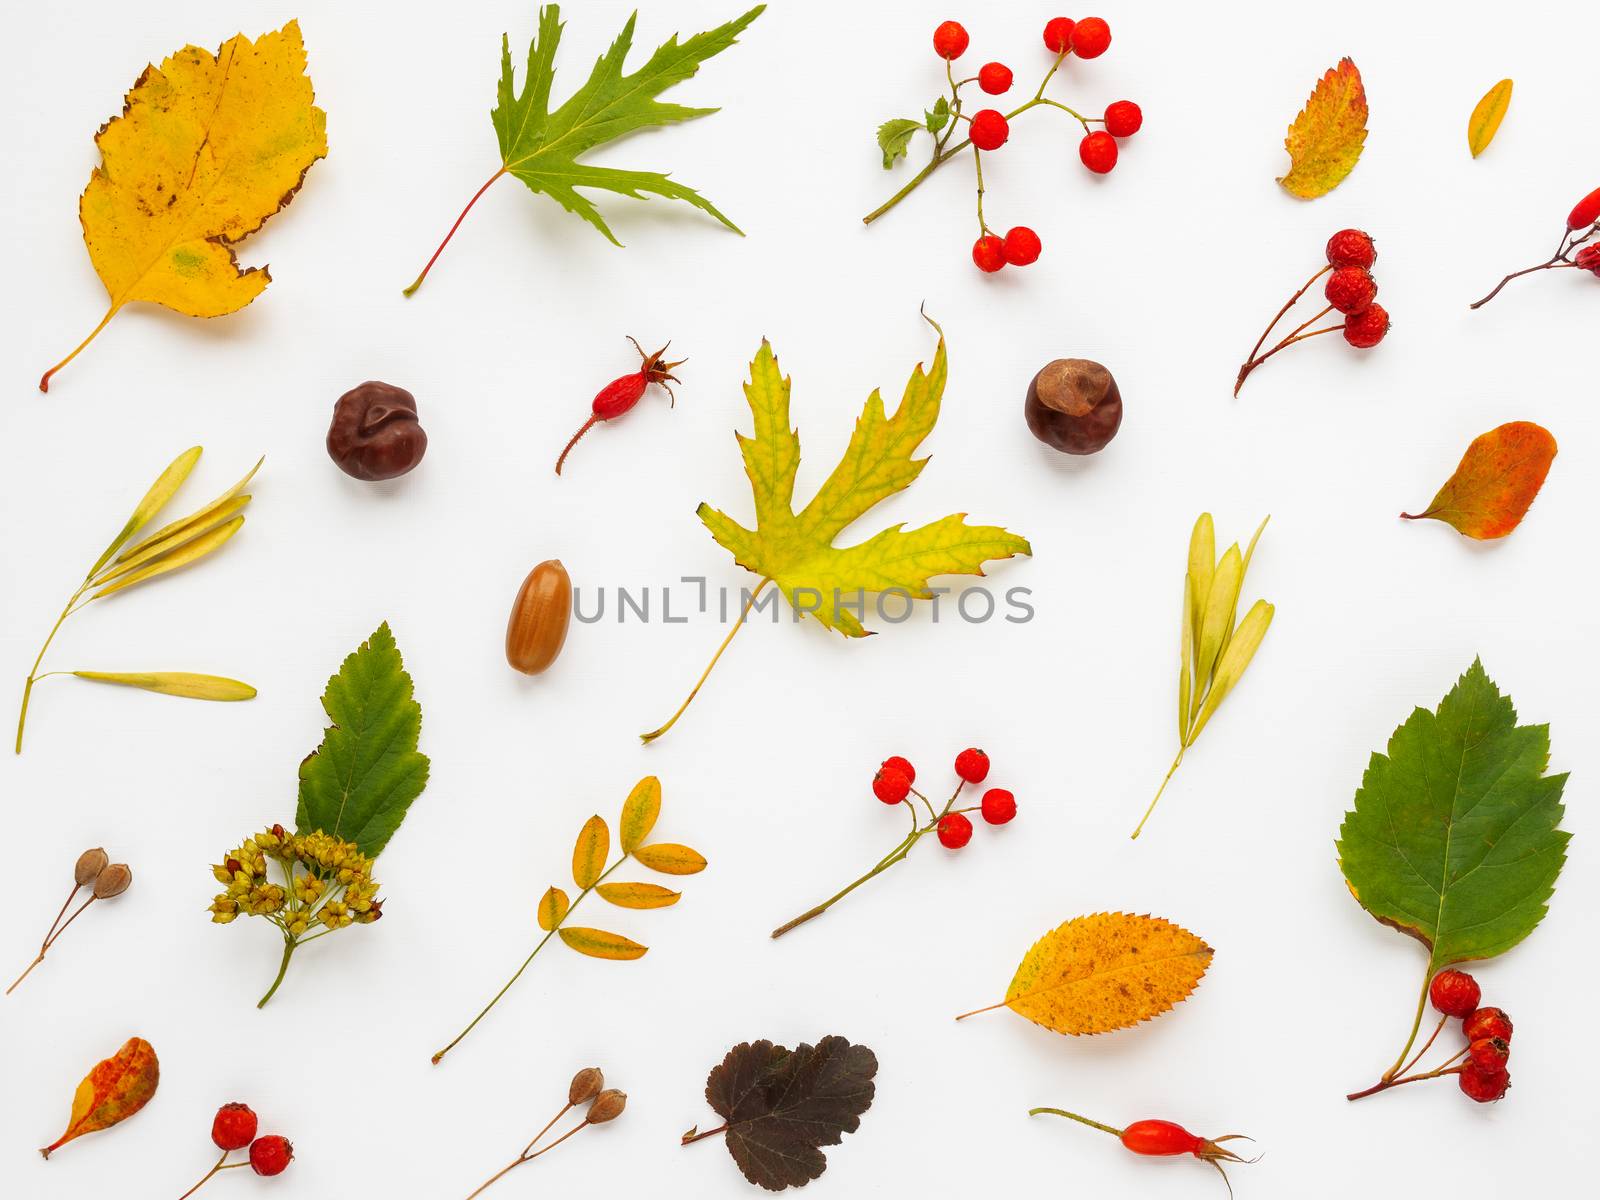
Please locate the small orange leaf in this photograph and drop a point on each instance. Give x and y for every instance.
(598, 943)
(553, 906)
(1499, 475)
(589, 855)
(1485, 120)
(638, 895)
(1326, 139)
(115, 1090)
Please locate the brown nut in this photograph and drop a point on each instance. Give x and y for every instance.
(375, 433)
(539, 618)
(90, 864)
(112, 881)
(1074, 405)
(586, 1085)
(607, 1106)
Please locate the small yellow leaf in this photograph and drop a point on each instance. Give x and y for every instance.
(1326, 139)
(1202, 565)
(154, 548)
(175, 683)
(162, 490)
(670, 859)
(639, 813)
(181, 557)
(553, 905)
(182, 523)
(1186, 661)
(589, 855)
(597, 943)
(1486, 117)
(637, 895)
(1241, 649)
(1217, 613)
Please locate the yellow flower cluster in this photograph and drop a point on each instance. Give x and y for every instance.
(319, 880)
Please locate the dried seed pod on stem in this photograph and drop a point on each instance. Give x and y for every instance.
(586, 1088)
(104, 879)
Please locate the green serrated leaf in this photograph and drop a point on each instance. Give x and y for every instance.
(367, 771)
(937, 117)
(1455, 836)
(894, 138)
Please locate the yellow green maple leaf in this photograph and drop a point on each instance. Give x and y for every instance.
(795, 551)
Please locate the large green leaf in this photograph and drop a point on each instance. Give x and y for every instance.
(362, 779)
(1455, 837)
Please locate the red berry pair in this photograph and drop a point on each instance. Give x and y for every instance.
(234, 1128)
(1020, 247)
(1483, 1076)
(1583, 225)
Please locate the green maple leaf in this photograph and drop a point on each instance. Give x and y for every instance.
(542, 148)
(796, 550)
(1455, 836)
(367, 771)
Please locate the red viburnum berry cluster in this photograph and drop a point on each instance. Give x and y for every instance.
(1351, 291)
(234, 1128)
(1480, 1065)
(988, 129)
(1583, 225)
(894, 784)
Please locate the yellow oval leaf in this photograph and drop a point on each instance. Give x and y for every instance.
(175, 683)
(1107, 971)
(670, 859)
(162, 490)
(638, 895)
(597, 943)
(1486, 117)
(639, 813)
(553, 905)
(181, 557)
(1326, 139)
(589, 855)
(113, 1091)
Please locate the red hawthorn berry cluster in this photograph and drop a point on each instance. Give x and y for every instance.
(1351, 291)
(988, 129)
(234, 1128)
(1480, 1065)
(1583, 225)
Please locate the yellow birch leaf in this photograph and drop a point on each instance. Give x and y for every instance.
(597, 943)
(1107, 971)
(1486, 117)
(1241, 649)
(207, 147)
(182, 524)
(669, 858)
(589, 855)
(113, 1091)
(162, 490)
(639, 813)
(181, 557)
(176, 683)
(553, 905)
(1326, 139)
(638, 895)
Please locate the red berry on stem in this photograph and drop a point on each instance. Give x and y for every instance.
(1484, 1085)
(891, 786)
(1351, 248)
(1124, 118)
(903, 765)
(1091, 37)
(234, 1126)
(271, 1154)
(1022, 246)
(1160, 1138)
(950, 40)
(1454, 993)
(989, 253)
(998, 806)
(1586, 212)
(1351, 289)
(972, 765)
(1488, 1054)
(1058, 34)
(955, 831)
(989, 129)
(1099, 152)
(1589, 259)
(1487, 1023)
(1364, 330)
(995, 78)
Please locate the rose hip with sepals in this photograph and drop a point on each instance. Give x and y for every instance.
(989, 253)
(995, 78)
(1588, 259)
(1124, 119)
(989, 129)
(1098, 152)
(1583, 225)
(1454, 993)
(1162, 1139)
(1091, 37)
(950, 40)
(1488, 1054)
(621, 394)
(1058, 34)
(1585, 213)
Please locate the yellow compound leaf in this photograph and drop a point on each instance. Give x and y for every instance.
(553, 905)
(112, 1092)
(638, 895)
(597, 943)
(639, 813)
(1325, 141)
(1107, 971)
(1486, 117)
(589, 855)
(669, 858)
(175, 683)
(206, 149)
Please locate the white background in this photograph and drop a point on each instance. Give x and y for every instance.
(1165, 271)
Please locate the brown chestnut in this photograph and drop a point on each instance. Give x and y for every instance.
(1074, 405)
(375, 433)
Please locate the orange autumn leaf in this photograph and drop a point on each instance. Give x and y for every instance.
(112, 1092)
(1500, 474)
(1486, 117)
(1326, 139)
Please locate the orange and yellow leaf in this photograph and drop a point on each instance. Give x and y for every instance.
(1495, 482)
(117, 1088)
(1326, 139)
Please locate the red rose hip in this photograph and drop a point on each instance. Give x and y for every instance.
(1352, 248)
(234, 1126)
(1351, 289)
(1364, 330)
(271, 1155)
(1454, 993)
(1487, 1023)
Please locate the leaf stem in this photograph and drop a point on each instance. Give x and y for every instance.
(1171, 771)
(690, 1138)
(33, 672)
(289, 947)
(44, 380)
(1416, 1026)
(647, 738)
(1072, 1116)
(417, 282)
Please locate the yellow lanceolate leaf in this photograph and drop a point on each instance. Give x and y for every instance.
(1186, 660)
(1326, 139)
(1217, 615)
(1107, 971)
(1241, 649)
(669, 858)
(1486, 117)
(1202, 565)
(638, 895)
(176, 683)
(553, 905)
(181, 557)
(154, 548)
(170, 532)
(1244, 571)
(639, 813)
(597, 943)
(162, 490)
(589, 855)
(206, 149)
